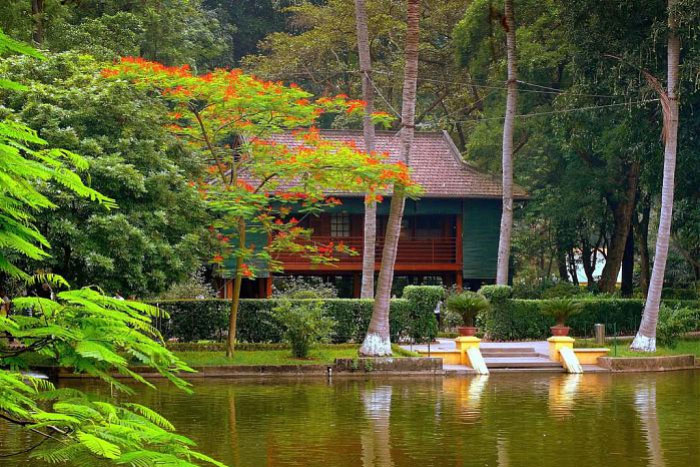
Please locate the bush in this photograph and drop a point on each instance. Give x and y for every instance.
(196, 286)
(690, 293)
(424, 300)
(674, 322)
(195, 320)
(304, 325)
(301, 287)
(560, 309)
(561, 289)
(450, 320)
(524, 320)
(496, 293)
(468, 305)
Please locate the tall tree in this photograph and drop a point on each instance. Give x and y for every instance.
(158, 235)
(645, 340)
(370, 225)
(80, 329)
(256, 183)
(377, 342)
(507, 164)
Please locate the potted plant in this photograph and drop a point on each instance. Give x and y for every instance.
(468, 305)
(560, 309)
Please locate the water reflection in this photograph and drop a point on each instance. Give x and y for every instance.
(562, 394)
(376, 436)
(509, 420)
(467, 394)
(645, 403)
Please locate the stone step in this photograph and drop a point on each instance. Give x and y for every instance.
(520, 362)
(507, 350)
(509, 353)
(528, 370)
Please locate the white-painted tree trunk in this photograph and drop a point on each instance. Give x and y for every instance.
(646, 336)
(377, 343)
(370, 225)
(507, 164)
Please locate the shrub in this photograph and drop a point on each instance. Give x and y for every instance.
(450, 320)
(496, 293)
(561, 289)
(424, 300)
(468, 305)
(300, 287)
(674, 322)
(304, 325)
(560, 309)
(196, 320)
(527, 290)
(690, 293)
(195, 287)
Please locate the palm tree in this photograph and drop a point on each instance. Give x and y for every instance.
(645, 340)
(370, 228)
(508, 124)
(377, 342)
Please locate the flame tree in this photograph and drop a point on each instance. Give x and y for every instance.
(258, 186)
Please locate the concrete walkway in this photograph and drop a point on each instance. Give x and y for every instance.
(504, 356)
(540, 347)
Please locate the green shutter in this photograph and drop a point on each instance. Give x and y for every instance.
(481, 224)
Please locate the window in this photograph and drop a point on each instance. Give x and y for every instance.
(340, 225)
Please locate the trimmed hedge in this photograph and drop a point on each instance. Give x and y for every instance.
(194, 320)
(422, 324)
(518, 319)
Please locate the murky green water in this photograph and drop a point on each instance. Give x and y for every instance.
(500, 420)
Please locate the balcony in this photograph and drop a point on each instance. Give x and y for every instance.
(416, 253)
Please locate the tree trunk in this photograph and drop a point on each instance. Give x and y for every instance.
(623, 210)
(589, 257)
(38, 16)
(562, 266)
(377, 343)
(627, 287)
(370, 225)
(236, 295)
(645, 339)
(641, 232)
(508, 124)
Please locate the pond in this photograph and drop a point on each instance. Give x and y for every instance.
(500, 420)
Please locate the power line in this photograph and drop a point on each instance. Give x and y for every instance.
(577, 109)
(544, 89)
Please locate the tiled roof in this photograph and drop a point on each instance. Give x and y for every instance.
(435, 162)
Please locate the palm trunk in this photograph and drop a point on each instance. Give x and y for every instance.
(370, 226)
(508, 124)
(236, 295)
(646, 336)
(377, 343)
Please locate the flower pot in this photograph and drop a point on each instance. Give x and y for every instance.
(560, 330)
(466, 331)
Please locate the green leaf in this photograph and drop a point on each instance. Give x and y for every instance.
(99, 446)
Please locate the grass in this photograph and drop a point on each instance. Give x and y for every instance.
(684, 347)
(320, 355)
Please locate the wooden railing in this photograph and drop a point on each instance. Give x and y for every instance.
(428, 250)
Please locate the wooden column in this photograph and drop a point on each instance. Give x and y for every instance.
(268, 287)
